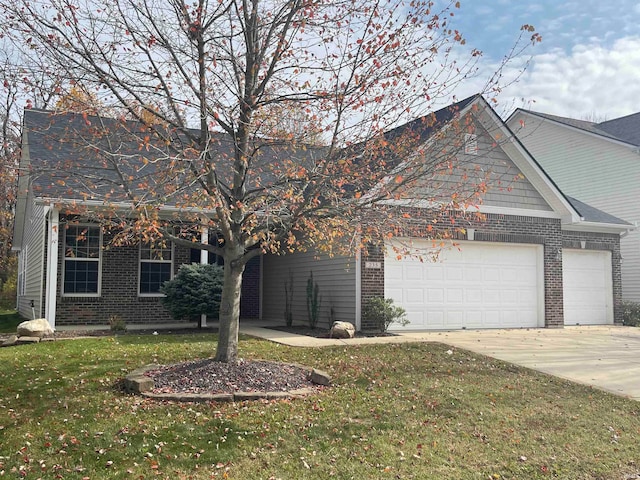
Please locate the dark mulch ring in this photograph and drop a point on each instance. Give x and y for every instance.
(324, 333)
(209, 376)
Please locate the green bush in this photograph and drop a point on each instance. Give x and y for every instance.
(313, 301)
(195, 290)
(631, 314)
(117, 323)
(381, 312)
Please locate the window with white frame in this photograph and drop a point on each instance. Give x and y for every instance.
(156, 267)
(470, 144)
(82, 255)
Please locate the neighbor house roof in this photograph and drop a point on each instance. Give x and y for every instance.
(592, 214)
(624, 129)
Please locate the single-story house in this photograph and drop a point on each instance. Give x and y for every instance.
(526, 256)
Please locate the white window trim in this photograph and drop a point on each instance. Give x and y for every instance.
(140, 260)
(470, 144)
(22, 272)
(65, 258)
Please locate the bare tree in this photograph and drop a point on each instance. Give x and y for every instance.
(265, 120)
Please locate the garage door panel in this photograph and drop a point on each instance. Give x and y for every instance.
(482, 285)
(455, 318)
(413, 273)
(454, 273)
(473, 295)
(588, 287)
(435, 296)
(414, 296)
(455, 296)
(509, 297)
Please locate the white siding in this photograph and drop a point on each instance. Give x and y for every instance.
(34, 243)
(596, 171)
(336, 277)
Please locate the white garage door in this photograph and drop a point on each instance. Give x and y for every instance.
(588, 287)
(478, 285)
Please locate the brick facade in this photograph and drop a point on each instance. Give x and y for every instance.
(513, 229)
(119, 291)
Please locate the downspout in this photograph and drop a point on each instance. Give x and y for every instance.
(204, 259)
(52, 266)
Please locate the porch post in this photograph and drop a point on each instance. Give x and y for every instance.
(52, 266)
(358, 266)
(204, 259)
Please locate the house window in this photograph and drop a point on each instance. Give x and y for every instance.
(156, 267)
(82, 247)
(470, 144)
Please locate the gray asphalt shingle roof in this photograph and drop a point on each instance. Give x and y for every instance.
(592, 214)
(625, 129)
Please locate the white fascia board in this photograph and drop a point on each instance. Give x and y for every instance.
(122, 206)
(621, 143)
(530, 168)
(520, 212)
(596, 227)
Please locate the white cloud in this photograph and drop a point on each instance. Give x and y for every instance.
(590, 80)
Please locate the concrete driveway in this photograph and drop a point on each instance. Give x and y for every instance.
(605, 357)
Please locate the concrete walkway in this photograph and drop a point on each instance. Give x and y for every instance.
(605, 357)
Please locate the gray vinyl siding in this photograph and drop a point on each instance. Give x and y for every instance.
(336, 277)
(595, 170)
(506, 185)
(34, 244)
(509, 187)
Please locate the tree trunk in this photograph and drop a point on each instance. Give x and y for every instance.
(230, 311)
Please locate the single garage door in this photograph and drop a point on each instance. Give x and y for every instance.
(588, 287)
(478, 285)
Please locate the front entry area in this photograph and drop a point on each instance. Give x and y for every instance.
(474, 285)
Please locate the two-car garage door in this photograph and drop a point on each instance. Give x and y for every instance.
(493, 285)
(479, 285)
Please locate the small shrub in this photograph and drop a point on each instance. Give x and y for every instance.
(288, 300)
(313, 301)
(631, 314)
(381, 312)
(117, 323)
(195, 290)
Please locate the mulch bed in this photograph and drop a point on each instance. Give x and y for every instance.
(209, 376)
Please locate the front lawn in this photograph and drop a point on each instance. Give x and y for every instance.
(396, 411)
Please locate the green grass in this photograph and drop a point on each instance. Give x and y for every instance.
(396, 411)
(9, 320)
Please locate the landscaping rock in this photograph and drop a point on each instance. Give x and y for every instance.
(23, 340)
(10, 342)
(35, 328)
(342, 330)
(320, 378)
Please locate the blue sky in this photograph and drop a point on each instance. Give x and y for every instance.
(588, 64)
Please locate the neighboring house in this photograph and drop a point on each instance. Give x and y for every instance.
(598, 163)
(505, 269)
